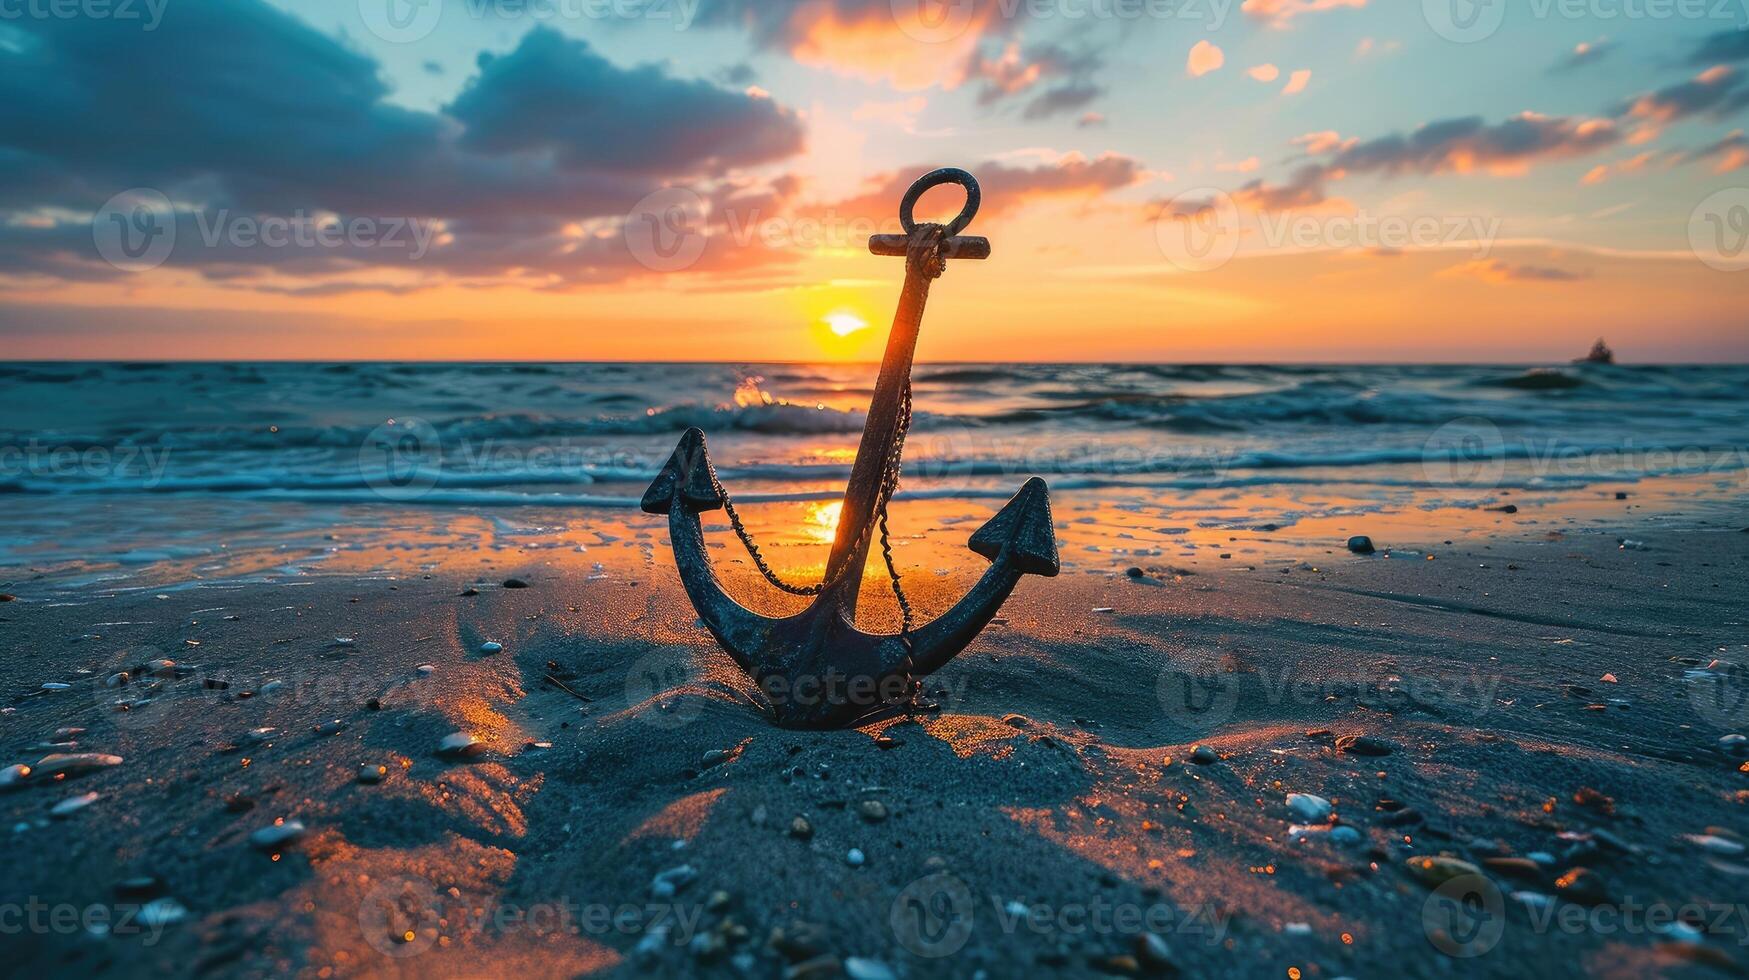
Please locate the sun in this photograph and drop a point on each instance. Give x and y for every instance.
(844, 323)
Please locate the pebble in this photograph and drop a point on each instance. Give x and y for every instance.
(491, 647)
(460, 745)
(862, 968)
(800, 828)
(344, 641)
(1360, 544)
(854, 857)
(1364, 745)
(1344, 836)
(117, 679)
(874, 811)
(1135, 572)
(1736, 746)
(1202, 755)
(1016, 721)
(515, 583)
(824, 965)
(161, 912)
(759, 815)
(73, 804)
(1309, 808)
(14, 776)
(1524, 869)
(713, 757)
(671, 882)
(334, 727)
(139, 886)
(71, 763)
(1714, 844)
(368, 773)
(1436, 870)
(1154, 953)
(56, 686)
(276, 834)
(1582, 886)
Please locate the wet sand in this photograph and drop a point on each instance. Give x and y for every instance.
(629, 812)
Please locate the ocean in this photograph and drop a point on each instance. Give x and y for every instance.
(119, 464)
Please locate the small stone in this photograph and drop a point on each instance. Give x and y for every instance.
(798, 941)
(854, 857)
(1153, 952)
(1523, 869)
(370, 773)
(885, 742)
(718, 901)
(862, 968)
(1309, 808)
(73, 763)
(277, 834)
(161, 912)
(824, 965)
(117, 679)
(139, 886)
(1202, 755)
(1735, 746)
(460, 745)
(56, 686)
(801, 829)
(491, 648)
(1134, 572)
(515, 583)
(73, 804)
(1122, 965)
(470, 591)
(1508, 509)
(1436, 870)
(332, 727)
(713, 757)
(1016, 721)
(1714, 844)
(759, 815)
(344, 641)
(671, 882)
(12, 777)
(1360, 544)
(1582, 886)
(874, 811)
(1344, 836)
(1364, 745)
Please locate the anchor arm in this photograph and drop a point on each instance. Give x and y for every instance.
(682, 491)
(1019, 540)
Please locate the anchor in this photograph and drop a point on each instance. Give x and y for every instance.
(816, 668)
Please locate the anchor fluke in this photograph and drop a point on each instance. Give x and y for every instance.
(687, 471)
(1024, 530)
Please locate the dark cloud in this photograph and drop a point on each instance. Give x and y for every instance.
(553, 95)
(1498, 271)
(1718, 92)
(1047, 79)
(1466, 144)
(239, 111)
(1005, 186)
(1721, 48)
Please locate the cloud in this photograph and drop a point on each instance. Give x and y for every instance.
(555, 96)
(1204, 58)
(1051, 79)
(1632, 165)
(1467, 144)
(1297, 82)
(1585, 53)
(1731, 153)
(1304, 189)
(1722, 48)
(1279, 13)
(1717, 92)
(1264, 73)
(1089, 120)
(1501, 272)
(237, 110)
(1005, 186)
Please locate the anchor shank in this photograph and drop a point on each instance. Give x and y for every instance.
(879, 433)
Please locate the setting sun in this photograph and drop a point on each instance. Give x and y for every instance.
(844, 323)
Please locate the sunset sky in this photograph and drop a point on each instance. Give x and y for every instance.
(1164, 180)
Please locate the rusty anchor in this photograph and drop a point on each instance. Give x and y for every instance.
(815, 668)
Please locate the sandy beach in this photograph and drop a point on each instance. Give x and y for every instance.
(1112, 761)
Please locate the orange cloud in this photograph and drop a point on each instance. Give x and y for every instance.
(1204, 58)
(1297, 82)
(1502, 273)
(1278, 13)
(1265, 73)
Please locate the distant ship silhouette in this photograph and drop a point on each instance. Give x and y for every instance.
(1600, 354)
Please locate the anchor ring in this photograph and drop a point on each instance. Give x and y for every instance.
(935, 178)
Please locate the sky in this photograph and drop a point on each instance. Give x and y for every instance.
(1163, 180)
